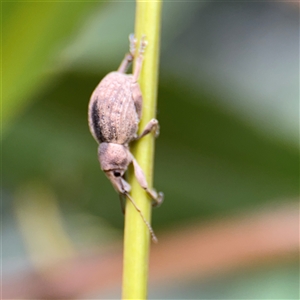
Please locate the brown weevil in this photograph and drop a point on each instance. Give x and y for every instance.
(114, 113)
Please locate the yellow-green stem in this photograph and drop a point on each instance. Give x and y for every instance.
(136, 236)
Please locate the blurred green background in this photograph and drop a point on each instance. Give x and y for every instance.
(228, 106)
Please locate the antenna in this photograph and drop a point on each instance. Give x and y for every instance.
(153, 236)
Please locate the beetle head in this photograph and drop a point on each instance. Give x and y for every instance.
(114, 160)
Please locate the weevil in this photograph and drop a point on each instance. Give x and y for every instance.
(114, 113)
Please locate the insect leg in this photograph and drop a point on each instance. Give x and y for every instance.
(122, 202)
(135, 88)
(139, 61)
(158, 198)
(129, 56)
(153, 236)
(152, 126)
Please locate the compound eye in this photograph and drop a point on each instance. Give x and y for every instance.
(117, 174)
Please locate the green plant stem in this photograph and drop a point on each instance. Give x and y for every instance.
(136, 236)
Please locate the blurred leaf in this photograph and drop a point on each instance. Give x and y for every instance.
(32, 34)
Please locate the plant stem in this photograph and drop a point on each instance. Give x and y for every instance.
(136, 236)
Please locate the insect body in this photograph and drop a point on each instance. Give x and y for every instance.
(114, 113)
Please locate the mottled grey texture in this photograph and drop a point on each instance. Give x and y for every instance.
(112, 101)
(113, 156)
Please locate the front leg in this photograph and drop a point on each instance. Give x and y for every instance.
(140, 176)
(126, 188)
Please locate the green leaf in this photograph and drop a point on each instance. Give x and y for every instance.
(33, 33)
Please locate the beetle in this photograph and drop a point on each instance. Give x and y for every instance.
(114, 112)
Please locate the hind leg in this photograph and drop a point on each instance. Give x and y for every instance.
(135, 88)
(129, 56)
(139, 60)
